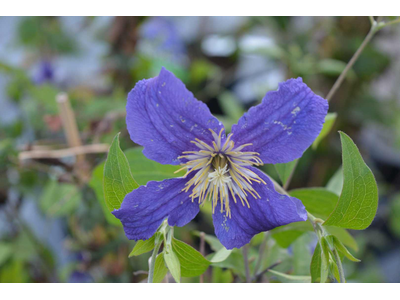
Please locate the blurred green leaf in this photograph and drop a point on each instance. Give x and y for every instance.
(330, 119)
(234, 262)
(335, 184)
(200, 70)
(213, 241)
(302, 255)
(6, 251)
(287, 234)
(285, 170)
(277, 255)
(173, 264)
(287, 237)
(143, 246)
(290, 278)
(46, 34)
(315, 266)
(220, 255)
(394, 215)
(231, 106)
(318, 201)
(191, 261)
(221, 276)
(13, 272)
(334, 67)
(24, 247)
(45, 95)
(60, 199)
(118, 179)
(160, 270)
(358, 201)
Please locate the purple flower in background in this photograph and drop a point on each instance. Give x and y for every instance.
(45, 73)
(161, 38)
(176, 128)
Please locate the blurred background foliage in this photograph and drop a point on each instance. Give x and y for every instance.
(54, 225)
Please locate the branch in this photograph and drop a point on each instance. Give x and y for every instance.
(60, 153)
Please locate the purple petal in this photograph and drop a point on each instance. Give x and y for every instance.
(284, 125)
(144, 209)
(272, 210)
(163, 117)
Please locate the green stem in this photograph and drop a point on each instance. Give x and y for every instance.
(373, 30)
(160, 237)
(153, 262)
(371, 19)
(384, 24)
(339, 264)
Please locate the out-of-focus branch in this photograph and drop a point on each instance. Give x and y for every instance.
(69, 124)
(60, 153)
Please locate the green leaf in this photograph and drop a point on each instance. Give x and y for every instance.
(343, 235)
(324, 259)
(6, 250)
(60, 199)
(160, 270)
(287, 237)
(315, 266)
(302, 255)
(14, 272)
(221, 276)
(96, 183)
(340, 247)
(287, 234)
(191, 261)
(285, 170)
(220, 255)
(143, 246)
(394, 215)
(329, 121)
(118, 179)
(358, 201)
(318, 201)
(234, 262)
(214, 242)
(334, 67)
(144, 169)
(335, 270)
(291, 278)
(173, 265)
(335, 184)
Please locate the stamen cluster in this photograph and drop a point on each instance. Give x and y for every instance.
(222, 170)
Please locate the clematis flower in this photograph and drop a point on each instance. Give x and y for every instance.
(175, 128)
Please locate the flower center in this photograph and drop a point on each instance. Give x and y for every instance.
(222, 170)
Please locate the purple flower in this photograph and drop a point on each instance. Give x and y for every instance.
(45, 73)
(176, 128)
(160, 37)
